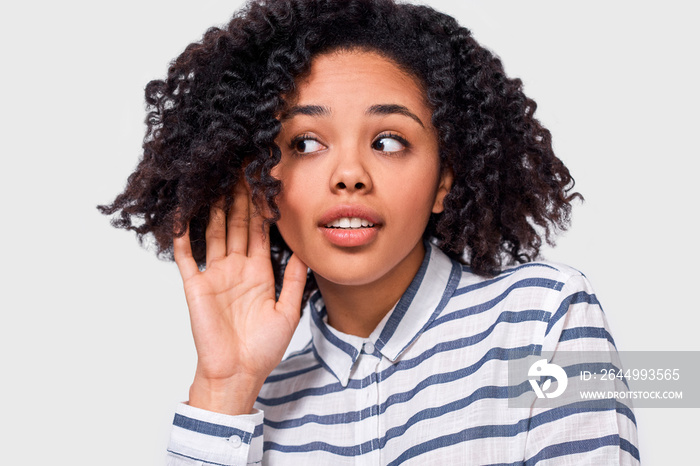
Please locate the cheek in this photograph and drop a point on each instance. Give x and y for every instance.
(417, 187)
(294, 198)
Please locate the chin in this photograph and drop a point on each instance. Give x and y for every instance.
(347, 277)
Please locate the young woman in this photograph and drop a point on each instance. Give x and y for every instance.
(370, 163)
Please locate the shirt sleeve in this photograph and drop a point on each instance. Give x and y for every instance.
(201, 437)
(583, 431)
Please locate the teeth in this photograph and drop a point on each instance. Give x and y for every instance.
(347, 222)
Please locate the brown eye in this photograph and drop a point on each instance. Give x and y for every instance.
(306, 145)
(389, 144)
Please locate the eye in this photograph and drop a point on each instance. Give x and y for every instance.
(305, 144)
(390, 143)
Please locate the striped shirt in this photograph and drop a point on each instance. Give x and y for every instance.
(429, 385)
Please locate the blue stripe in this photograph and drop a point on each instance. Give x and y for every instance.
(208, 428)
(289, 375)
(504, 274)
(586, 332)
(343, 346)
(405, 301)
(625, 410)
(305, 350)
(485, 306)
(627, 446)
(578, 407)
(353, 450)
(196, 459)
(526, 282)
(589, 406)
(516, 463)
(576, 298)
(326, 419)
(571, 448)
(258, 431)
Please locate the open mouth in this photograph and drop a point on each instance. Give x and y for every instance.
(350, 223)
(351, 226)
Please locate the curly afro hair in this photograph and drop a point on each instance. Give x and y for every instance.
(213, 120)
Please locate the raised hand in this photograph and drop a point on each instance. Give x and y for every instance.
(240, 330)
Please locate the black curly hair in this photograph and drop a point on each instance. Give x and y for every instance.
(213, 120)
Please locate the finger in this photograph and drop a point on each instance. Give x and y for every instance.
(293, 285)
(237, 221)
(182, 251)
(216, 232)
(258, 232)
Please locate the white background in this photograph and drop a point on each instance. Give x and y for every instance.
(95, 344)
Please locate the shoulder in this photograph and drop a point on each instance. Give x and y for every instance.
(543, 280)
(573, 315)
(534, 300)
(559, 272)
(566, 285)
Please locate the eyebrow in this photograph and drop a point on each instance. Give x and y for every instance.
(309, 110)
(321, 111)
(393, 109)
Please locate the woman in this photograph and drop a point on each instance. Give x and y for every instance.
(371, 161)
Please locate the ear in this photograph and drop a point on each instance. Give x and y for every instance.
(444, 187)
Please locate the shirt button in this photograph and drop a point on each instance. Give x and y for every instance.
(234, 441)
(369, 347)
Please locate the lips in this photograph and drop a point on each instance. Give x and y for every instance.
(350, 225)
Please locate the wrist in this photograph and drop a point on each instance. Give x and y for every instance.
(235, 395)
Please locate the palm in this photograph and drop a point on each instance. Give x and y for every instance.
(234, 315)
(239, 327)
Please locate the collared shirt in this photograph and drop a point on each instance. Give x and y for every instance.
(429, 385)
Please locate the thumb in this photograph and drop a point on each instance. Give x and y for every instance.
(292, 287)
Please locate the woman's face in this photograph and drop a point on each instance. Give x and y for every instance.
(360, 169)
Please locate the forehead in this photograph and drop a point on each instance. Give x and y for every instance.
(358, 77)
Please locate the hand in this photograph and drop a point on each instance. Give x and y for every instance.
(240, 330)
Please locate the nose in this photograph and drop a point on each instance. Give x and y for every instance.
(350, 173)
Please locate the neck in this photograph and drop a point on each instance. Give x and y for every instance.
(358, 309)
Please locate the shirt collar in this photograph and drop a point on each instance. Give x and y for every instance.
(424, 299)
